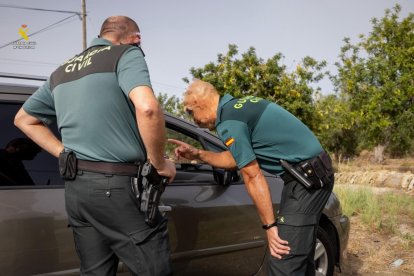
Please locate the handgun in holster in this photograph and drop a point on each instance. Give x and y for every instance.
(313, 173)
(147, 188)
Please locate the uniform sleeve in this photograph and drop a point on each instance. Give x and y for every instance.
(41, 104)
(132, 70)
(236, 136)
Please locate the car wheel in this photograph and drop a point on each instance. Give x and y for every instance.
(324, 254)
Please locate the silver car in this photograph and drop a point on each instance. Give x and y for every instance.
(213, 225)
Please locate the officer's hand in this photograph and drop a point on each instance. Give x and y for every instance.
(184, 150)
(167, 170)
(277, 246)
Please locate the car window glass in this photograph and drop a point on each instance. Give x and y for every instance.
(173, 134)
(22, 162)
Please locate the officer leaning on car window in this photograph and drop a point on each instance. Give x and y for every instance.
(262, 135)
(110, 122)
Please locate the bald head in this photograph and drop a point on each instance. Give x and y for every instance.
(201, 100)
(118, 28)
(200, 91)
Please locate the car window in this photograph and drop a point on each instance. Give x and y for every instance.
(173, 134)
(22, 162)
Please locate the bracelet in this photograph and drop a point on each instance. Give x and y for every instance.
(268, 226)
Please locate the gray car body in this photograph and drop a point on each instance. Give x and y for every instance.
(213, 225)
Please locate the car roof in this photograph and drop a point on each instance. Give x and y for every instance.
(18, 92)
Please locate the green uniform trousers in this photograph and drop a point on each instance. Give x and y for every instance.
(108, 227)
(298, 218)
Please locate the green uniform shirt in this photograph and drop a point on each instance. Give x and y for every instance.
(88, 98)
(254, 128)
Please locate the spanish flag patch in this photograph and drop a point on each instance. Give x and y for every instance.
(229, 141)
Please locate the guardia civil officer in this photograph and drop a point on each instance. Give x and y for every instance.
(260, 134)
(110, 120)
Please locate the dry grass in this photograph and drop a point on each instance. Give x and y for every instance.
(382, 223)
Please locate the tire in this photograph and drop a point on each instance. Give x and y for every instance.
(324, 254)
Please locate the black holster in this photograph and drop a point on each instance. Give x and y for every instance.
(68, 166)
(313, 173)
(147, 189)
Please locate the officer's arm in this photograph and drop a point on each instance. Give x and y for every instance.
(259, 192)
(38, 132)
(223, 159)
(151, 123)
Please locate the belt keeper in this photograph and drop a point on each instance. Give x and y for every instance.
(268, 226)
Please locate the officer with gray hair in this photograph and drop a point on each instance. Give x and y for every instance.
(259, 135)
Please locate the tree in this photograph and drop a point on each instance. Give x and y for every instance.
(174, 106)
(251, 75)
(171, 104)
(376, 77)
(336, 128)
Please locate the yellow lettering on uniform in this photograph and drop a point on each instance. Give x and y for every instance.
(85, 63)
(67, 69)
(92, 53)
(82, 64)
(69, 60)
(238, 105)
(80, 58)
(255, 100)
(104, 49)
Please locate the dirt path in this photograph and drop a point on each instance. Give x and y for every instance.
(370, 253)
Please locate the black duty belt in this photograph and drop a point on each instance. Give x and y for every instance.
(313, 173)
(129, 169)
(287, 177)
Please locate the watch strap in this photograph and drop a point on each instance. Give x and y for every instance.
(268, 226)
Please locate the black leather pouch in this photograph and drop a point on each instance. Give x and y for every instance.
(68, 165)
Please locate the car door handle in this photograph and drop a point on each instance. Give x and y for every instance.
(164, 208)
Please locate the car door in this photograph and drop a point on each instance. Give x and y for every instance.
(33, 225)
(214, 227)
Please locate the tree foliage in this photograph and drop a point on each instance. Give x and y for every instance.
(248, 74)
(171, 104)
(374, 101)
(376, 78)
(336, 128)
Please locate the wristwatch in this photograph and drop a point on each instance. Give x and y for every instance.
(268, 226)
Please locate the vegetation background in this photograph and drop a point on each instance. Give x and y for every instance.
(370, 110)
(371, 107)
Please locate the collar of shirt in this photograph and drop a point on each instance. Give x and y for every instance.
(223, 100)
(103, 42)
(100, 41)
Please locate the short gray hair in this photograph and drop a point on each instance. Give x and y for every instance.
(118, 27)
(199, 90)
